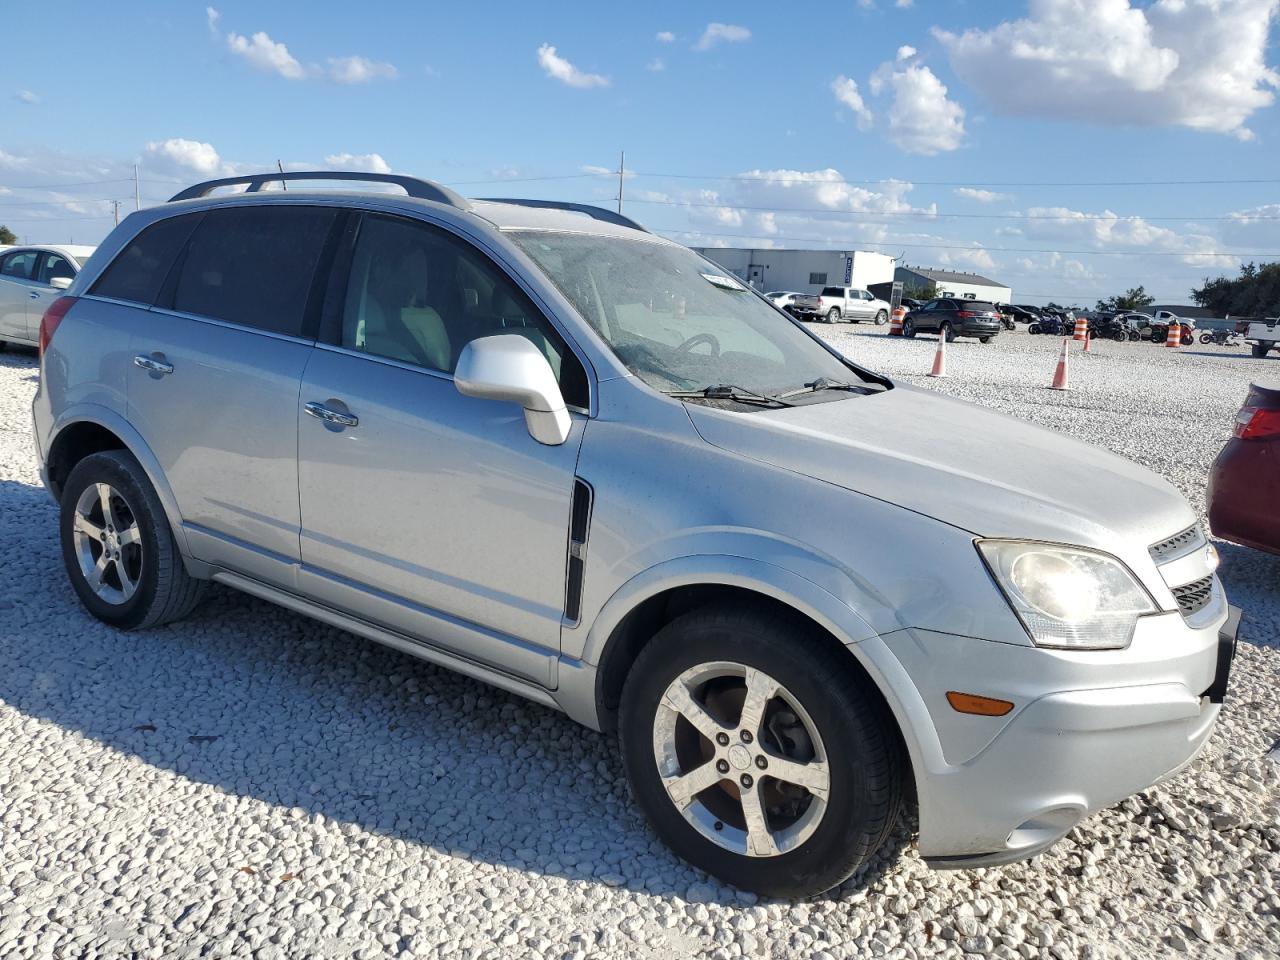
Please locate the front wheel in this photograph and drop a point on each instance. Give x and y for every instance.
(757, 751)
(1260, 350)
(882, 318)
(984, 339)
(833, 315)
(118, 547)
(1206, 338)
(1033, 328)
(909, 328)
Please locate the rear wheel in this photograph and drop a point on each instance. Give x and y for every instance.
(882, 318)
(1033, 328)
(948, 332)
(1260, 349)
(118, 548)
(984, 339)
(757, 752)
(833, 315)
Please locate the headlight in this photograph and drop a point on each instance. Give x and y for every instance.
(1068, 597)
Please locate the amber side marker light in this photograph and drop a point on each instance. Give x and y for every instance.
(979, 706)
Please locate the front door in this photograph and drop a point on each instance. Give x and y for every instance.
(431, 513)
(43, 292)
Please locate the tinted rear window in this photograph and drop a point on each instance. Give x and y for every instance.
(977, 305)
(833, 291)
(138, 271)
(254, 265)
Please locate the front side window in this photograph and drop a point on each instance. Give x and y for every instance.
(254, 265)
(419, 295)
(53, 266)
(19, 265)
(675, 320)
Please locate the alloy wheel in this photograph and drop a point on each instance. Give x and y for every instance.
(108, 543)
(741, 759)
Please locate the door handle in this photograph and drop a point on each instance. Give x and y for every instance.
(34, 294)
(329, 415)
(153, 364)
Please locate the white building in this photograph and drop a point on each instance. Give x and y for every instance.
(802, 271)
(952, 283)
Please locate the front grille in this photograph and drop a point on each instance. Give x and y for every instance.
(1194, 596)
(1177, 545)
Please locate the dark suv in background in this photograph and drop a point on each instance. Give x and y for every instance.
(952, 317)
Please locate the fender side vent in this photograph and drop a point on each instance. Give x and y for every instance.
(579, 525)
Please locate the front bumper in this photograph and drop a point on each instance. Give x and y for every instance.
(1008, 788)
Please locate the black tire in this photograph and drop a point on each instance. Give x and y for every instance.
(1134, 336)
(882, 318)
(833, 315)
(1033, 328)
(1259, 350)
(863, 748)
(1206, 338)
(1119, 336)
(984, 339)
(909, 328)
(164, 591)
(947, 331)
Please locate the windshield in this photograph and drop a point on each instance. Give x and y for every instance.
(677, 321)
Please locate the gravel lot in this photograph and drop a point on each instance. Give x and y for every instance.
(251, 783)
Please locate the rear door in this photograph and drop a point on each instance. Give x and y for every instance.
(217, 366)
(17, 288)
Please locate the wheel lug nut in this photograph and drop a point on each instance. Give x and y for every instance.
(746, 736)
(761, 762)
(745, 780)
(722, 739)
(722, 766)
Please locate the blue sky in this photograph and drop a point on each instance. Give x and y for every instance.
(975, 135)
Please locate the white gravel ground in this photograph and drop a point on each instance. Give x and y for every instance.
(251, 783)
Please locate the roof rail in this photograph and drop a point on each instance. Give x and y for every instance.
(414, 187)
(596, 213)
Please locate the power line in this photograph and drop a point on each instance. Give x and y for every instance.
(963, 183)
(915, 243)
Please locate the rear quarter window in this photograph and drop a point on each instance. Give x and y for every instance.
(139, 270)
(254, 265)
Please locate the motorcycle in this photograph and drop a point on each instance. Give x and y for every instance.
(1228, 338)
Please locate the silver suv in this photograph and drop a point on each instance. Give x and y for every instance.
(537, 444)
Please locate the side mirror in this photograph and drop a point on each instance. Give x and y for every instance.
(509, 367)
(60, 283)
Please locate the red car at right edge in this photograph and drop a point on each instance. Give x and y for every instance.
(1244, 483)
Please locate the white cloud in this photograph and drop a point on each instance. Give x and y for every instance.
(181, 156)
(846, 92)
(921, 118)
(212, 15)
(903, 4)
(982, 196)
(905, 53)
(558, 68)
(26, 96)
(1191, 63)
(265, 54)
(665, 36)
(656, 65)
(359, 70)
(1107, 230)
(721, 33)
(366, 162)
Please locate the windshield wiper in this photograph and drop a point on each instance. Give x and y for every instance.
(826, 383)
(727, 391)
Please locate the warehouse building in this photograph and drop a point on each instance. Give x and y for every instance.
(802, 271)
(925, 282)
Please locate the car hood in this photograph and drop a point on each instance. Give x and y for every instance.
(981, 471)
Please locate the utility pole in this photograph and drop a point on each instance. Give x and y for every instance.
(622, 172)
(116, 210)
(137, 195)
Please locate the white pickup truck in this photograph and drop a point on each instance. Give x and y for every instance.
(850, 303)
(1262, 335)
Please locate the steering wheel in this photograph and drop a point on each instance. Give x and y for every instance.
(698, 338)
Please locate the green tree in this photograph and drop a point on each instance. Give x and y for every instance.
(1135, 298)
(7, 236)
(1254, 293)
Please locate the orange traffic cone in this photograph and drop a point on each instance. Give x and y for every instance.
(940, 358)
(1060, 375)
(1082, 328)
(895, 324)
(1174, 337)
(1088, 339)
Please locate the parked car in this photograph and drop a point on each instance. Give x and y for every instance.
(1018, 314)
(850, 303)
(1164, 318)
(782, 298)
(952, 317)
(30, 279)
(1244, 483)
(804, 306)
(909, 303)
(537, 444)
(1262, 335)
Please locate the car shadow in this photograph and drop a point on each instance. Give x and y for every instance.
(1221, 355)
(263, 703)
